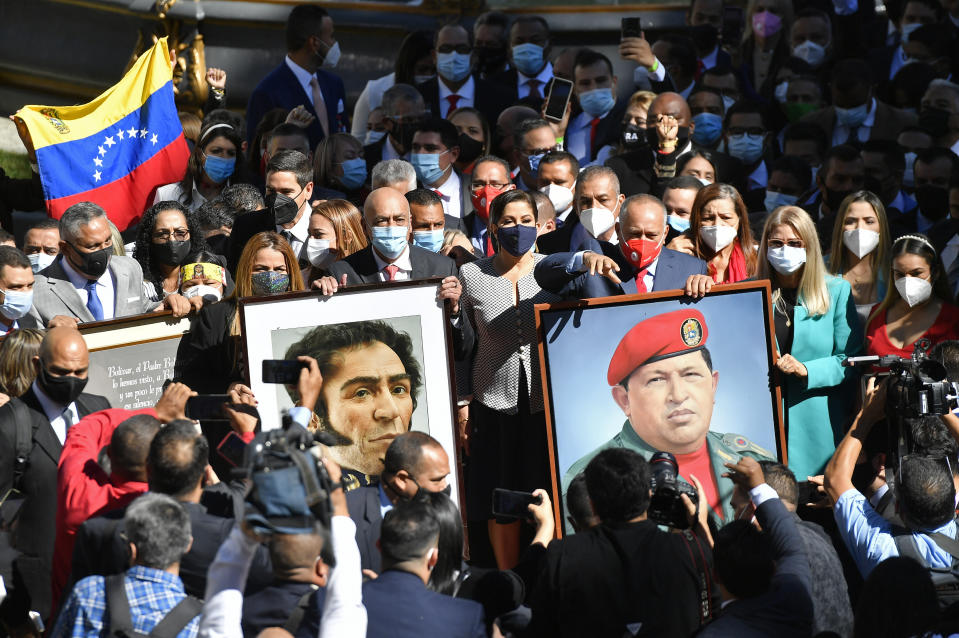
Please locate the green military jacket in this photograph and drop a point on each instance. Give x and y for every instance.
(723, 448)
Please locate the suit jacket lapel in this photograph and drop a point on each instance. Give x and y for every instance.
(65, 292)
(121, 290)
(664, 268)
(366, 266)
(43, 433)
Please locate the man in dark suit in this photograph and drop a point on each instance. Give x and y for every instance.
(530, 72)
(299, 80)
(403, 111)
(428, 219)
(434, 149)
(398, 604)
(53, 403)
(592, 134)
(639, 263)
(413, 461)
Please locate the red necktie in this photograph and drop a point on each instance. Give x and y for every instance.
(700, 67)
(592, 137)
(438, 194)
(453, 100)
(392, 269)
(640, 284)
(534, 89)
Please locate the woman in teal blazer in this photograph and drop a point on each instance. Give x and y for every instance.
(816, 329)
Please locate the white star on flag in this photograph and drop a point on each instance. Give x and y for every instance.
(143, 133)
(101, 150)
(96, 175)
(120, 134)
(154, 139)
(131, 132)
(109, 141)
(98, 161)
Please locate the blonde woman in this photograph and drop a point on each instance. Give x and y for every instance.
(816, 328)
(17, 371)
(860, 249)
(335, 232)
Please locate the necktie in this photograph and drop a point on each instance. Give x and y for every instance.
(288, 236)
(391, 270)
(453, 100)
(319, 106)
(640, 284)
(853, 137)
(700, 67)
(67, 418)
(438, 193)
(592, 137)
(534, 88)
(93, 302)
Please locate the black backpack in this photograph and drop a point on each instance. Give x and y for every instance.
(121, 622)
(945, 579)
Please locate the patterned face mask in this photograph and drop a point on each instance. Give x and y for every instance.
(270, 282)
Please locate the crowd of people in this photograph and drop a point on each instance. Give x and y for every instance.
(816, 148)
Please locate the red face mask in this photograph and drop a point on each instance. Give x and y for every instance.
(641, 252)
(482, 199)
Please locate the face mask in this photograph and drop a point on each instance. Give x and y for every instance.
(319, 253)
(218, 169)
(677, 223)
(934, 121)
(709, 127)
(209, 294)
(746, 148)
(431, 240)
(795, 111)
(933, 201)
(489, 59)
(453, 66)
(787, 259)
(705, 37)
(717, 237)
(391, 241)
(908, 177)
(810, 52)
(834, 198)
(703, 181)
(470, 148)
(269, 282)
(597, 220)
(282, 207)
(372, 137)
(354, 173)
(423, 79)
(597, 102)
(427, 167)
(559, 196)
(534, 161)
(64, 390)
(780, 91)
(16, 304)
(641, 252)
(766, 23)
(854, 117)
(914, 290)
(907, 29)
(634, 137)
(171, 253)
(94, 264)
(528, 58)
(860, 241)
(774, 200)
(332, 56)
(482, 199)
(517, 240)
(39, 261)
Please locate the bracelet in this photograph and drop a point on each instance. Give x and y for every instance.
(217, 91)
(655, 66)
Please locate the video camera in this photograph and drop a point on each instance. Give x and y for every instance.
(666, 507)
(291, 488)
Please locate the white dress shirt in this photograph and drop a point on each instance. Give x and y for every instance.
(390, 152)
(105, 288)
(575, 264)
(304, 77)
(55, 412)
(758, 178)
(709, 60)
(840, 132)
(402, 262)
(543, 77)
(449, 194)
(577, 137)
(300, 232)
(466, 93)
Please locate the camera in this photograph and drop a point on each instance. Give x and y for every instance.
(666, 507)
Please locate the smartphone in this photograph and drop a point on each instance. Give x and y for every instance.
(733, 24)
(282, 371)
(560, 91)
(207, 407)
(631, 28)
(512, 505)
(232, 449)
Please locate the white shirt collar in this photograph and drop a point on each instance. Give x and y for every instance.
(303, 76)
(390, 152)
(450, 187)
(709, 60)
(466, 92)
(759, 177)
(543, 76)
(80, 280)
(54, 412)
(955, 148)
(875, 498)
(300, 229)
(402, 262)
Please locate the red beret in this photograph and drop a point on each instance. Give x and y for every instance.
(655, 338)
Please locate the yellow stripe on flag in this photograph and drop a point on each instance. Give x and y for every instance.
(53, 125)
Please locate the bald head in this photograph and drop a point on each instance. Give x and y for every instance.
(64, 352)
(642, 217)
(669, 104)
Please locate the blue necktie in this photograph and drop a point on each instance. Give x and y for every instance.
(93, 302)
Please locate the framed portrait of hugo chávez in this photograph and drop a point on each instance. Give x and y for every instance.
(385, 354)
(661, 372)
(132, 357)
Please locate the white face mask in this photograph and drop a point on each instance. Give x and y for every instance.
(717, 237)
(207, 293)
(787, 259)
(810, 52)
(319, 253)
(39, 261)
(560, 196)
(860, 241)
(332, 56)
(914, 290)
(597, 220)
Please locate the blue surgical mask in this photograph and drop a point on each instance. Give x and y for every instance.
(746, 148)
(431, 240)
(709, 127)
(517, 240)
(854, 117)
(218, 169)
(427, 167)
(597, 102)
(453, 66)
(16, 304)
(354, 173)
(528, 58)
(774, 200)
(39, 261)
(372, 137)
(679, 224)
(390, 240)
(534, 161)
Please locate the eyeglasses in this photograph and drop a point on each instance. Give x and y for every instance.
(179, 234)
(478, 186)
(792, 243)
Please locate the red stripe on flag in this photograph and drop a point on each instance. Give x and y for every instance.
(125, 199)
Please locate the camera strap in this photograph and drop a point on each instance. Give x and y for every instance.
(121, 619)
(704, 575)
(296, 616)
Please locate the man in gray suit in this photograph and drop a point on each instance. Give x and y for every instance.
(87, 282)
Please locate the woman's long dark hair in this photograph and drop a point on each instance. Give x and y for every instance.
(141, 248)
(194, 168)
(415, 46)
(444, 577)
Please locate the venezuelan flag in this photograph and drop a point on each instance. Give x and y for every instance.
(116, 150)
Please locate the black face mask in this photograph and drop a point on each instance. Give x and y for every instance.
(282, 207)
(834, 199)
(94, 264)
(933, 201)
(705, 37)
(934, 121)
(489, 59)
(470, 148)
(634, 137)
(64, 390)
(172, 253)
